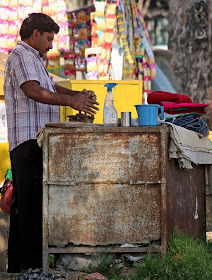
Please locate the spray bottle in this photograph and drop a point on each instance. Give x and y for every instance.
(110, 115)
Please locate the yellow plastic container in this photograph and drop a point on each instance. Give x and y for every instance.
(126, 95)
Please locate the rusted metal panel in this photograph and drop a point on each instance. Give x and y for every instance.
(186, 199)
(103, 214)
(104, 157)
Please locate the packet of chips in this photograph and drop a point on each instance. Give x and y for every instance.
(110, 9)
(110, 21)
(100, 8)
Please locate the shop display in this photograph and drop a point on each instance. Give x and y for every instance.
(87, 39)
(79, 40)
(120, 22)
(13, 12)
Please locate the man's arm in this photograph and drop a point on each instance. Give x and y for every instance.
(66, 91)
(80, 101)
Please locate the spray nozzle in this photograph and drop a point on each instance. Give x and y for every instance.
(109, 86)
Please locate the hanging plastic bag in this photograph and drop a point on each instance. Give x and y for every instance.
(6, 192)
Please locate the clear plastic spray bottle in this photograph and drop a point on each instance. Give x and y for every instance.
(110, 115)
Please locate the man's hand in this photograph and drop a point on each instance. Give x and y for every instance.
(90, 92)
(84, 101)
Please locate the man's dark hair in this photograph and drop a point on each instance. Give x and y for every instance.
(39, 21)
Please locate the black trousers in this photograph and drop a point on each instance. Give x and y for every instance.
(25, 235)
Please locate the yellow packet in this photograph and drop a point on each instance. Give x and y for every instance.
(110, 9)
(110, 22)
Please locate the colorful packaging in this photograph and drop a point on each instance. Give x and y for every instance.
(108, 36)
(110, 9)
(92, 75)
(99, 8)
(82, 31)
(4, 13)
(91, 63)
(100, 23)
(110, 21)
(80, 64)
(83, 45)
(69, 61)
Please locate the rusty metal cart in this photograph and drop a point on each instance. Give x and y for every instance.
(106, 187)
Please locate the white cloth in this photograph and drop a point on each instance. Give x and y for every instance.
(187, 147)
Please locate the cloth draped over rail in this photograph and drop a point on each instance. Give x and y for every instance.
(187, 147)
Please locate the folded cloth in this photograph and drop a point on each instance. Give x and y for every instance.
(155, 97)
(174, 108)
(187, 147)
(193, 123)
(172, 117)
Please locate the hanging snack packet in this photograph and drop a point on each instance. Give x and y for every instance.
(70, 74)
(27, 2)
(71, 46)
(92, 75)
(109, 35)
(94, 41)
(63, 28)
(110, 9)
(3, 42)
(103, 66)
(12, 28)
(80, 64)
(81, 17)
(13, 14)
(76, 47)
(101, 36)
(82, 31)
(91, 63)
(106, 51)
(11, 41)
(69, 61)
(100, 23)
(4, 27)
(99, 8)
(4, 12)
(110, 21)
(75, 32)
(5, 3)
(83, 44)
(63, 42)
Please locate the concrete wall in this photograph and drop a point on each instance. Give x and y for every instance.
(4, 227)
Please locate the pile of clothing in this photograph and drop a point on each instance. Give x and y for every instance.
(179, 110)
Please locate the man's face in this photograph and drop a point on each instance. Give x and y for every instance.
(44, 42)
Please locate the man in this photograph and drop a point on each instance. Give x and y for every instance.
(32, 99)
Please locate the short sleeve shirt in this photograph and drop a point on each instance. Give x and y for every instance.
(25, 116)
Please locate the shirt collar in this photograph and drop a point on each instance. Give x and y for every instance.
(28, 47)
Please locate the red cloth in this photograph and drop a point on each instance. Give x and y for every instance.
(174, 108)
(156, 97)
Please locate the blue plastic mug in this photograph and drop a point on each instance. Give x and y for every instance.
(148, 114)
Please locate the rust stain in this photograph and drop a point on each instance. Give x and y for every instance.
(103, 214)
(103, 186)
(104, 158)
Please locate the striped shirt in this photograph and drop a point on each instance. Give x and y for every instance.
(25, 116)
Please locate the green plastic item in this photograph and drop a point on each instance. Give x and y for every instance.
(9, 174)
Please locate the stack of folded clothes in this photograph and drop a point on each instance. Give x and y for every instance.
(180, 110)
